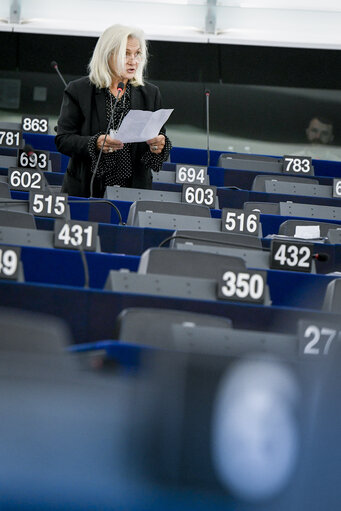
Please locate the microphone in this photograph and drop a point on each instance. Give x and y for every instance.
(321, 257)
(54, 66)
(207, 94)
(120, 88)
(28, 149)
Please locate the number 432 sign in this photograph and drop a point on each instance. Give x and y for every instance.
(292, 256)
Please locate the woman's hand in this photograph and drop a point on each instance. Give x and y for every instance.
(110, 145)
(157, 144)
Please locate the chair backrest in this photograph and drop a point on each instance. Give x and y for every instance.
(334, 236)
(17, 219)
(218, 239)
(13, 205)
(164, 261)
(223, 341)
(26, 237)
(161, 285)
(227, 161)
(154, 327)
(255, 157)
(34, 343)
(309, 211)
(136, 194)
(267, 208)
(4, 190)
(332, 297)
(170, 208)
(305, 189)
(252, 258)
(174, 222)
(259, 181)
(288, 228)
(164, 176)
(31, 332)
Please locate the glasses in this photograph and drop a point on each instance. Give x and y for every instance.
(134, 56)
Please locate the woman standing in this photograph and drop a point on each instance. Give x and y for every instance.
(120, 56)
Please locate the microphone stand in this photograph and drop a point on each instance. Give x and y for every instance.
(54, 65)
(120, 88)
(207, 93)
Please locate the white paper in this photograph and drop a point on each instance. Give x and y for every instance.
(141, 125)
(307, 231)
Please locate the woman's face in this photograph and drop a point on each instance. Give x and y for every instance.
(132, 61)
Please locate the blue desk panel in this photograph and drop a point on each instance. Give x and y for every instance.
(242, 179)
(323, 168)
(130, 240)
(181, 155)
(65, 267)
(91, 314)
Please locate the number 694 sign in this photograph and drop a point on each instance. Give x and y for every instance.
(191, 174)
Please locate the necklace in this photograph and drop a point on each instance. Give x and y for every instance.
(112, 111)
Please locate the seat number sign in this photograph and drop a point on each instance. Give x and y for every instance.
(242, 286)
(34, 160)
(239, 221)
(337, 188)
(35, 124)
(288, 255)
(48, 204)
(24, 180)
(9, 262)
(297, 165)
(10, 138)
(191, 174)
(317, 339)
(202, 195)
(75, 234)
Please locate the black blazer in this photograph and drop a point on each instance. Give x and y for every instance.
(83, 115)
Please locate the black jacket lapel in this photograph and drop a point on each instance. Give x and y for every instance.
(100, 120)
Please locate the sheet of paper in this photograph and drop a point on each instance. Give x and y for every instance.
(307, 231)
(141, 125)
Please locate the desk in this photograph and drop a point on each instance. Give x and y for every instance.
(91, 313)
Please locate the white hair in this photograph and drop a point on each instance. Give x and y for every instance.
(113, 41)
